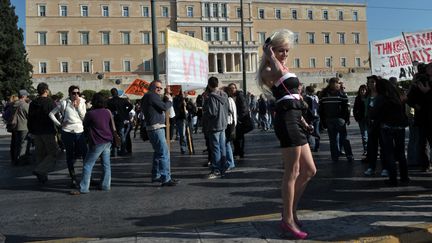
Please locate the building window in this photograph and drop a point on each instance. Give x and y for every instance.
(215, 11)
(296, 62)
(63, 11)
(357, 62)
(84, 10)
(296, 37)
(164, 11)
(340, 15)
(224, 10)
(355, 16)
(326, 38)
(190, 33)
(189, 11)
(312, 62)
(63, 38)
(162, 34)
(126, 66)
(328, 62)
(147, 66)
(294, 14)
(42, 67)
(145, 11)
(261, 13)
(216, 36)
(42, 39)
(261, 37)
(278, 14)
(207, 33)
(146, 38)
(311, 37)
(41, 10)
(343, 62)
(125, 11)
(105, 38)
(85, 38)
(238, 12)
(126, 38)
(105, 11)
(64, 67)
(107, 66)
(310, 14)
(341, 38)
(224, 33)
(206, 10)
(85, 66)
(325, 15)
(356, 37)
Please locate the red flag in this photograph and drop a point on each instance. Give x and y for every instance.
(175, 90)
(138, 87)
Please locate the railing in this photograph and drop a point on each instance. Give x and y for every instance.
(320, 1)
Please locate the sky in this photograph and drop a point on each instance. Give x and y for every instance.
(386, 18)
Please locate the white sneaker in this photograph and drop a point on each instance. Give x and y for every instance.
(369, 172)
(384, 173)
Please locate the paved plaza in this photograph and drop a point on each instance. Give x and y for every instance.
(340, 204)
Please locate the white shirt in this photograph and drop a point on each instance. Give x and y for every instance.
(72, 117)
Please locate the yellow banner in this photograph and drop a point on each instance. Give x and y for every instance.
(185, 42)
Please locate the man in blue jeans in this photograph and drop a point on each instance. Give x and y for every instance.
(335, 114)
(215, 120)
(154, 109)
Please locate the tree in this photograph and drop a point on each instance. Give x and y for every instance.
(88, 94)
(15, 69)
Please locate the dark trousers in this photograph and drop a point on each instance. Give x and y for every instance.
(424, 137)
(393, 143)
(374, 141)
(239, 142)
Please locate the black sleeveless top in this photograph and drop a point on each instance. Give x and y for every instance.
(289, 86)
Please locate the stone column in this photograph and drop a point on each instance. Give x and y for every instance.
(215, 65)
(224, 66)
(232, 63)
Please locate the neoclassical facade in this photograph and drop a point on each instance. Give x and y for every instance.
(114, 37)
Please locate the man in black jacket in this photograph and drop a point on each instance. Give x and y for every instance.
(43, 131)
(154, 110)
(243, 118)
(120, 108)
(335, 114)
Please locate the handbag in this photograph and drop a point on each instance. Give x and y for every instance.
(13, 123)
(245, 125)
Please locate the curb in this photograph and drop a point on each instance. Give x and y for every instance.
(416, 233)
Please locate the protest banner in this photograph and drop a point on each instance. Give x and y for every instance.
(138, 87)
(187, 61)
(394, 57)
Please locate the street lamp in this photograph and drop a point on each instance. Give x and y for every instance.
(243, 46)
(155, 43)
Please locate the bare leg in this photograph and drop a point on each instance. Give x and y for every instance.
(291, 159)
(307, 171)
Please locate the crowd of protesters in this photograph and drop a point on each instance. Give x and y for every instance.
(381, 109)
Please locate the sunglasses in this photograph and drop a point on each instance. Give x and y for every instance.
(75, 93)
(269, 40)
(159, 88)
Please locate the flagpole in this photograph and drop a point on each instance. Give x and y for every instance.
(155, 42)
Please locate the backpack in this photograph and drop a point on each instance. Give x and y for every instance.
(10, 117)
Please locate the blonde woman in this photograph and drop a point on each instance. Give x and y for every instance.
(290, 127)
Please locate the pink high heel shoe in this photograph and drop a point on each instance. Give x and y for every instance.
(298, 234)
(298, 223)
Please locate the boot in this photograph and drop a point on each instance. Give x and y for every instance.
(74, 184)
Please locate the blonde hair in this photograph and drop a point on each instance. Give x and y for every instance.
(278, 38)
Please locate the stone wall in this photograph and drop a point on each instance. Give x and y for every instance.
(61, 83)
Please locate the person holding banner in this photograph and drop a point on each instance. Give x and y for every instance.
(290, 126)
(154, 109)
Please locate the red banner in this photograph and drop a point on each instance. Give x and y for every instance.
(175, 90)
(138, 87)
